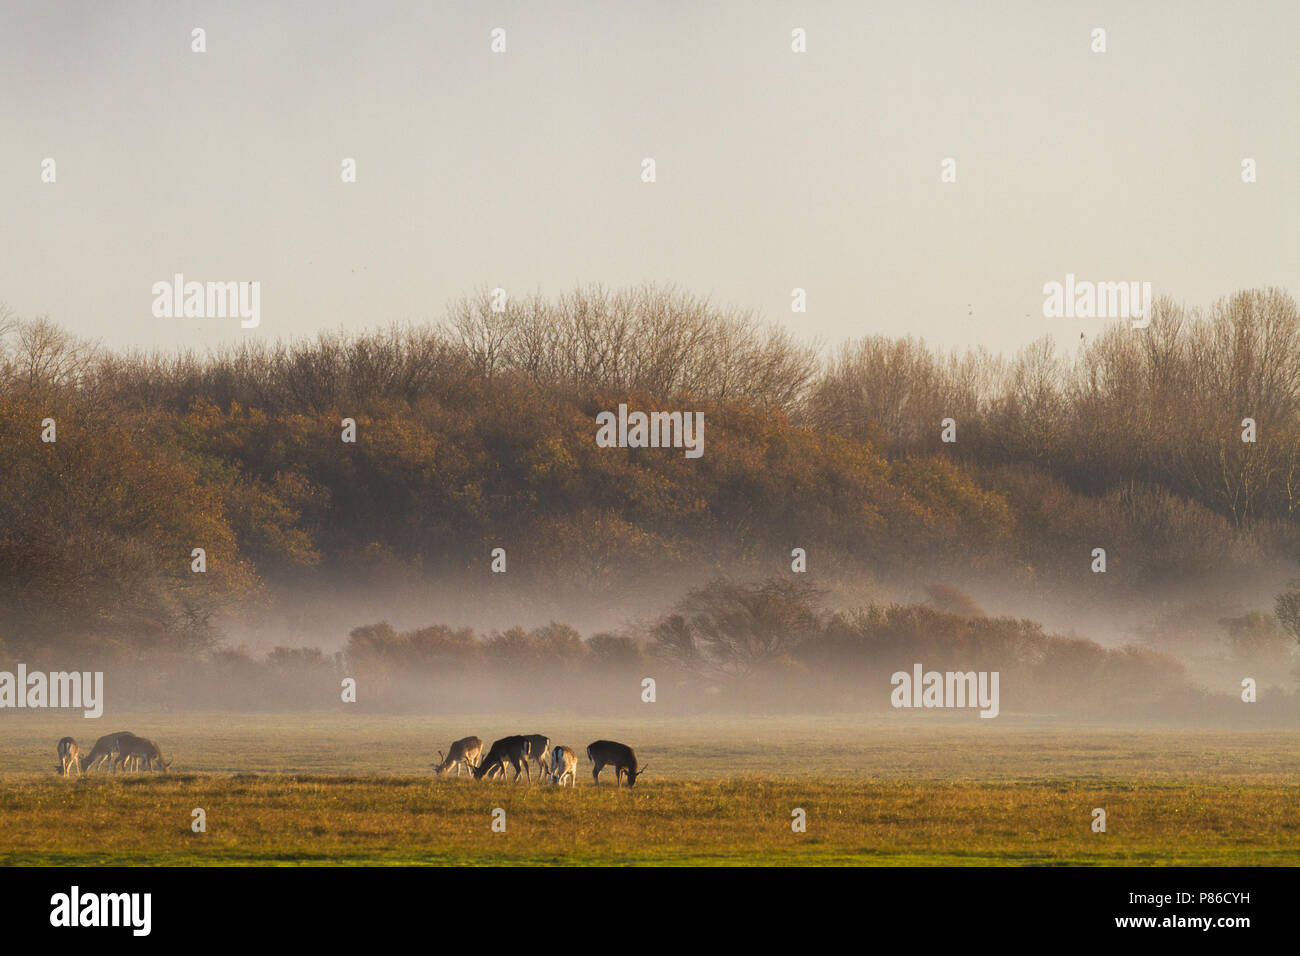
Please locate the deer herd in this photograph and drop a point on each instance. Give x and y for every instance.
(120, 750)
(555, 764)
(124, 750)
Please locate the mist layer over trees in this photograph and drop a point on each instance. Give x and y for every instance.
(478, 433)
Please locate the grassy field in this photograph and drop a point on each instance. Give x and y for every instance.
(337, 788)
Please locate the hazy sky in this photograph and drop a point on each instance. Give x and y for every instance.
(522, 169)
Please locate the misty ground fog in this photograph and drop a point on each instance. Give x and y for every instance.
(474, 545)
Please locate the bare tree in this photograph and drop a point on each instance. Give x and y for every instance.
(731, 630)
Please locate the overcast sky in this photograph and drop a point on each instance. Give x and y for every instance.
(522, 170)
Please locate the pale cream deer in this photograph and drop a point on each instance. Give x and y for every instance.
(69, 756)
(467, 751)
(564, 763)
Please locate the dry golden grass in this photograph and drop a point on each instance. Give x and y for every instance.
(338, 788)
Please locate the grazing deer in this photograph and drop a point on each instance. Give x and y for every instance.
(508, 750)
(564, 763)
(106, 747)
(465, 751)
(539, 748)
(144, 750)
(69, 756)
(605, 753)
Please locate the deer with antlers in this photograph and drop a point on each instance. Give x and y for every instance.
(465, 751)
(146, 751)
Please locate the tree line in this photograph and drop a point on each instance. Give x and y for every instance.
(476, 433)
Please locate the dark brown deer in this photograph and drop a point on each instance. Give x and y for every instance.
(466, 751)
(607, 753)
(106, 747)
(511, 750)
